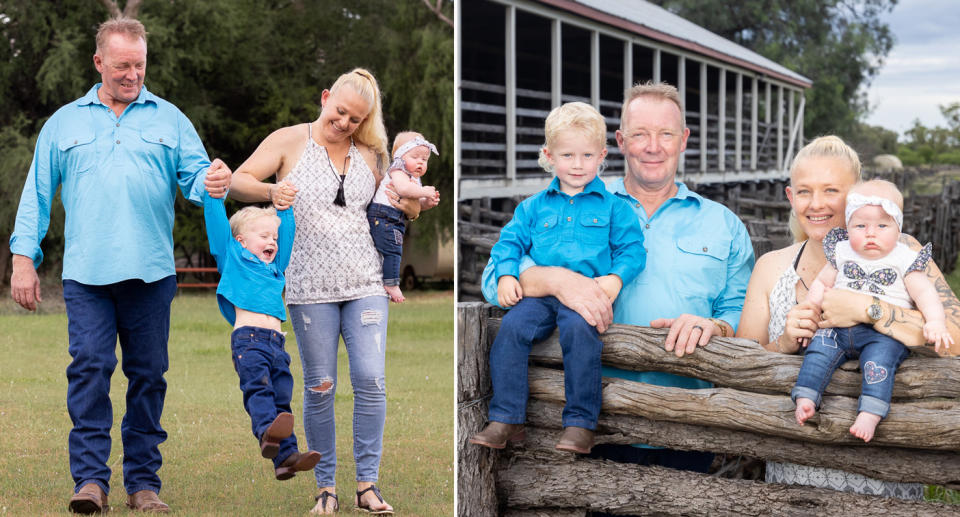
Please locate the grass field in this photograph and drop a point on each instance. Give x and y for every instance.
(212, 464)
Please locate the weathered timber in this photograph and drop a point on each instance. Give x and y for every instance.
(535, 481)
(888, 463)
(924, 425)
(546, 512)
(744, 364)
(476, 487)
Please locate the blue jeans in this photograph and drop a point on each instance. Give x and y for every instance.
(532, 320)
(387, 225)
(363, 325)
(264, 370)
(879, 355)
(139, 314)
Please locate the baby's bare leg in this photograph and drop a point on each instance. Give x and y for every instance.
(396, 296)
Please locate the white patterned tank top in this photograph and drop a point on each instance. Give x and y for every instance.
(333, 258)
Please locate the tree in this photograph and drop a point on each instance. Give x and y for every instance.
(839, 44)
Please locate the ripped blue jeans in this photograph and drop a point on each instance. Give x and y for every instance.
(363, 325)
(879, 356)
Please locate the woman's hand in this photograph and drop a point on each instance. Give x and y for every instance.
(842, 308)
(283, 194)
(801, 324)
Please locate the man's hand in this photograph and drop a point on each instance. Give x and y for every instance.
(283, 194)
(585, 296)
(686, 332)
(24, 283)
(509, 292)
(218, 179)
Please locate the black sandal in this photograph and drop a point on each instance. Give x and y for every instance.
(323, 500)
(365, 508)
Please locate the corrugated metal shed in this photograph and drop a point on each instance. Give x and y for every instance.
(657, 23)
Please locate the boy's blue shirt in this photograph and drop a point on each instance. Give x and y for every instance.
(245, 280)
(593, 233)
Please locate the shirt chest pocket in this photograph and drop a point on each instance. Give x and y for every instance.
(593, 228)
(157, 151)
(545, 231)
(78, 153)
(705, 261)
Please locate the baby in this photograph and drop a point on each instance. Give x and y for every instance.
(387, 224)
(868, 257)
(252, 251)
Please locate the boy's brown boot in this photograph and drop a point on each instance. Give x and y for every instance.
(296, 462)
(576, 439)
(497, 434)
(280, 428)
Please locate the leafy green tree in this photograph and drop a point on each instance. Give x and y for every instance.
(839, 44)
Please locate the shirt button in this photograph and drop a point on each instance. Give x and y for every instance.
(118, 124)
(569, 219)
(546, 225)
(118, 141)
(74, 142)
(647, 226)
(571, 201)
(594, 220)
(704, 249)
(161, 139)
(638, 205)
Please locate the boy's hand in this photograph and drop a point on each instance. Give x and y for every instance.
(283, 194)
(611, 285)
(936, 332)
(508, 291)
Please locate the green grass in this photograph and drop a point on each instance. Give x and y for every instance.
(212, 464)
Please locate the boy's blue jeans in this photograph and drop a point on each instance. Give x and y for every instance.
(879, 355)
(138, 313)
(264, 369)
(387, 225)
(532, 320)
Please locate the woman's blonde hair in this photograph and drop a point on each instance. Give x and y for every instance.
(247, 214)
(578, 116)
(828, 146)
(371, 131)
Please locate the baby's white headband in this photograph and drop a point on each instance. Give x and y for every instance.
(856, 201)
(416, 142)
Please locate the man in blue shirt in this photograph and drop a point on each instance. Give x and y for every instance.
(699, 258)
(119, 153)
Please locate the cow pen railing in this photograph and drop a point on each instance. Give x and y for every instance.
(748, 413)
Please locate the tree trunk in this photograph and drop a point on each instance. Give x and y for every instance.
(888, 463)
(924, 425)
(532, 481)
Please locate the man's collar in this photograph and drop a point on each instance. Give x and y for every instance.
(92, 98)
(618, 188)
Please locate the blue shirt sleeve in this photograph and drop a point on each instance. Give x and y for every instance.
(514, 243)
(729, 304)
(193, 161)
(218, 228)
(286, 232)
(626, 242)
(33, 214)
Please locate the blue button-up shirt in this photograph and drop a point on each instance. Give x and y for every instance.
(119, 177)
(699, 259)
(245, 280)
(593, 233)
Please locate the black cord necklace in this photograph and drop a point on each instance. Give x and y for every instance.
(340, 200)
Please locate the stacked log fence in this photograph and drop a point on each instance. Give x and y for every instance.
(747, 413)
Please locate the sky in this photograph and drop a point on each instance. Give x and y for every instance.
(922, 70)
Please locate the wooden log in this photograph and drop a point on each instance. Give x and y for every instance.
(476, 489)
(531, 482)
(546, 512)
(888, 463)
(922, 425)
(744, 364)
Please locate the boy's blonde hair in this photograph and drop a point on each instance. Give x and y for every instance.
(828, 146)
(243, 217)
(402, 138)
(371, 131)
(576, 116)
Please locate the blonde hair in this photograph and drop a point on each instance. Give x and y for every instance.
(243, 217)
(828, 146)
(572, 116)
(127, 26)
(371, 131)
(662, 91)
(402, 138)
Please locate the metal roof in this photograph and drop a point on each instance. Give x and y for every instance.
(657, 23)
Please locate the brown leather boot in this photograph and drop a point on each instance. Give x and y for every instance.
(576, 439)
(296, 462)
(497, 434)
(89, 499)
(280, 428)
(146, 501)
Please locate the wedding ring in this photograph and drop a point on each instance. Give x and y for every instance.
(698, 327)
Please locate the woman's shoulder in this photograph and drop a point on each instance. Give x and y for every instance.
(778, 259)
(368, 154)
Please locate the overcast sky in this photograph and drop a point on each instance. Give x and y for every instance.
(923, 69)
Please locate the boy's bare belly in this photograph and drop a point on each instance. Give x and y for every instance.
(255, 319)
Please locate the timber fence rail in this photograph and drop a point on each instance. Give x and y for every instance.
(748, 413)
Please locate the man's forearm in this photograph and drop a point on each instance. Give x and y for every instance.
(538, 281)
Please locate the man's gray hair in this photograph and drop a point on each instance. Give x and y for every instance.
(121, 25)
(663, 91)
